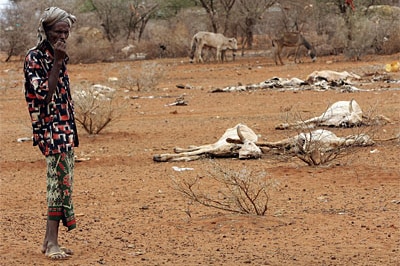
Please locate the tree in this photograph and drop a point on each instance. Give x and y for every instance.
(250, 14)
(357, 25)
(123, 17)
(13, 31)
(139, 17)
(227, 6)
(170, 8)
(211, 9)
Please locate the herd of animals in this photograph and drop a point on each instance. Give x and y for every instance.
(221, 43)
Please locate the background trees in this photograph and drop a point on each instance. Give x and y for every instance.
(165, 27)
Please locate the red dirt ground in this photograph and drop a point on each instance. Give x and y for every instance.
(346, 213)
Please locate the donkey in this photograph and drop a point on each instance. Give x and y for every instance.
(292, 39)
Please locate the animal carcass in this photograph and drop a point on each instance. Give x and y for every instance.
(325, 140)
(331, 76)
(339, 114)
(316, 147)
(238, 141)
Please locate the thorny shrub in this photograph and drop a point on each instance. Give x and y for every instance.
(95, 108)
(146, 79)
(245, 191)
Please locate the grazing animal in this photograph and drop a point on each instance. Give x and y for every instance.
(292, 39)
(321, 139)
(235, 142)
(210, 39)
(339, 114)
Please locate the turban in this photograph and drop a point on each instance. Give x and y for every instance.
(51, 16)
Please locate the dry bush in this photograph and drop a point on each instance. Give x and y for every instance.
(314, 153)
(391, 44)
(243, 191)
(146, 79)
(96, 108)
(150, 76)
(86, 53)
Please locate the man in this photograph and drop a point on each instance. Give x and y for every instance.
(51, 110)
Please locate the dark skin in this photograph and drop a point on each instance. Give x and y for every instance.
(57, 36)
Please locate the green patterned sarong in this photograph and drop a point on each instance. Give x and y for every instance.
(60, 176)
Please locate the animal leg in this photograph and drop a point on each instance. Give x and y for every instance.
(199, 52)
(219, 58)
(184, 156)
(296, 54)
(277, 144)
(279, 50)
(193, 46)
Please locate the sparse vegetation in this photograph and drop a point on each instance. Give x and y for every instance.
(95, 109)
(331, 26)
(146, 79)
(149, 77)
(244, 191)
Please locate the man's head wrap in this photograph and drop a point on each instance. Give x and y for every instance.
(51, 16)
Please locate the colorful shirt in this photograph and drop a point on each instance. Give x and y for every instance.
(53, 123)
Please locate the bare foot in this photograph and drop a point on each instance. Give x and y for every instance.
(65, 249)
(55, 253)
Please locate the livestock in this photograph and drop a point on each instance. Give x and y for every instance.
(237, 141)
(316, 147)
(210, 39)
(339, 114)
(326, 139)
(292, 39)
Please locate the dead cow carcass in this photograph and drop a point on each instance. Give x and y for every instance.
(331, 76)
(326, 140)
(316, 147)
(238, 141)
(339, 114)
(210, 39)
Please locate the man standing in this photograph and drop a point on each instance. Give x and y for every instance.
(50, 106)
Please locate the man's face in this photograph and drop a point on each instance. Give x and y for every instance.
(59, 31)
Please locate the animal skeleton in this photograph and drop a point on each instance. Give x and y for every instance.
(331, 76)
(235, 142)
(323, 139)
(316, 147)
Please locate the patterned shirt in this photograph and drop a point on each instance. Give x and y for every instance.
(53, 124)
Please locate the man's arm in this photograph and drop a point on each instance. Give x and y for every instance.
(59, 55)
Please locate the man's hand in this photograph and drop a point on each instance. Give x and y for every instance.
(60, 50)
